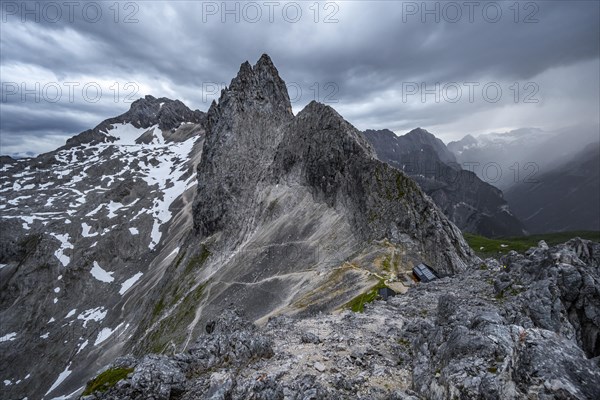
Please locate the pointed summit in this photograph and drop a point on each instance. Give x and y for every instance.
(259, 87)
(243, 132)
(316, 108)
(319, 117)
(266, 61)
(266, 68)
(245, 70)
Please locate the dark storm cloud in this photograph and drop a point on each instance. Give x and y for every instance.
(178, 48)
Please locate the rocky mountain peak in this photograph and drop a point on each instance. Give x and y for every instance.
(244, 130)
(168, 114)
(259, 87)
(322, 116)
(420, 136)
(294, 219)
(245, 70)
(314, 108)
(470, 203)
(383, 133)
(459, 146)
(469, 139)
(255, 147)
(143, 113)
(265, 66)
(419, 132)
(335, 131)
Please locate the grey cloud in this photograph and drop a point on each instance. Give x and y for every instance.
(369, 51)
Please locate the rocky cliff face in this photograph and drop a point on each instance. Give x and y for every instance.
(473, 205)
(324, 152)
(525, 327)
(85, 231)
(244, 130)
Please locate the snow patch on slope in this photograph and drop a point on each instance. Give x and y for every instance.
(105, 333)
(8, 337)
(127, 134)
(125, 286)
(65, 244)
(93, 314)
(102, 275)
(61, 377)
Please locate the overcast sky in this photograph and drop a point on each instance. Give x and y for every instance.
(382, 64)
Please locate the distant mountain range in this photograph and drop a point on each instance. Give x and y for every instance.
(566, 198)
(26, 154)
(509, 158)
(473, 205)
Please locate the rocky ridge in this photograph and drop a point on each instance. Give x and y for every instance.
(523, 327)
(472, 204)
(288, 218)
(164, 113)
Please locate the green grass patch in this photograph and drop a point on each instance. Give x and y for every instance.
(357, 304)
(197, 260)
(378, 176)
(486, 247)
(158, 308)
(399, 186)
(179, 259)
(373, 216)
(106, 380)
(386, 263)
(171, 330)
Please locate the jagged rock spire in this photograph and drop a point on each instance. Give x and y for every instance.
(244, 130)
(259, 87)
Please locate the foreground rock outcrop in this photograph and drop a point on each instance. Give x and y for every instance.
(479, 334)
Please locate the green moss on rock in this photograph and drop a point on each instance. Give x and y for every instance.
(171, 330)
(357, 304)
(399, 186)
(197, 261)
(106, 380)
